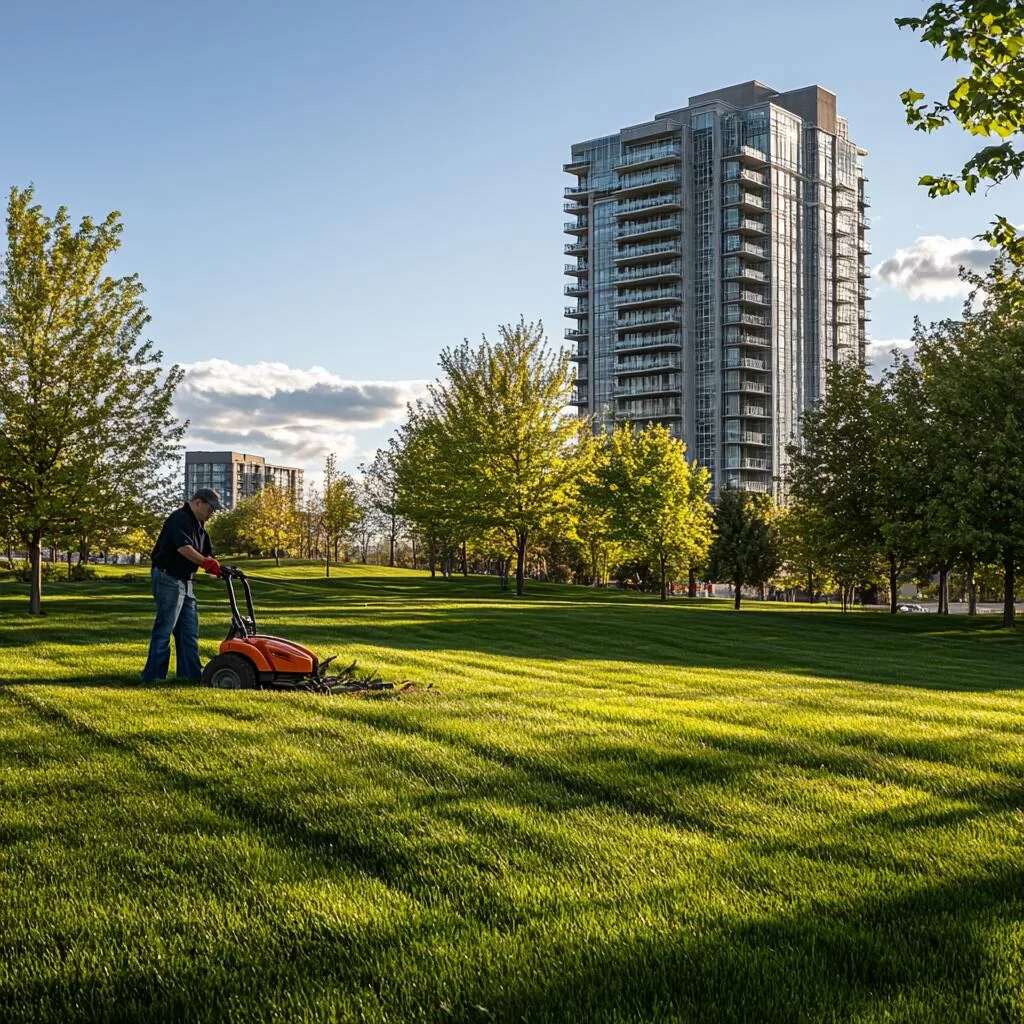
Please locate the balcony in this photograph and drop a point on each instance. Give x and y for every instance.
(577, 269)
(581, 355)
(579, 311)
(741, 317)
(651, 409)
(746, 363)
(649, 272)
(749, 251)
(654, 204)
(863, 271)
(748, 155)
(748, 298)
(630, 254)
(575, 248)
(748, 176)
(652, 341)
(649, 156)
(576, 227)
(747, 226)
(746, 201)
(581, 192)
(576, 290)
(636, 229)
(635, 184)
(745, 338)
(638, 388)
(647, 297)
(863, 245)
(736, 463)
(744, 273)
(655, 318)
(648, 364)
(745, 387)
(575, 207)
(578, 165)
(578, 398)
(576, 333)
(747, 412)
(746, 437)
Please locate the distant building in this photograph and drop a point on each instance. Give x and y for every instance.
(236, 475)
(719, 268)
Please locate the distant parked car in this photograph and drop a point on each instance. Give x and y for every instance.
(911, 608)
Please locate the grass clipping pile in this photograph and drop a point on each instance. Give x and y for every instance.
(354, 682)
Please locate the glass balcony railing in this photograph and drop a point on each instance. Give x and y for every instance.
(657, 316)
(666, 247)
(667, 199)
(647, 364)
(633, 341)
(649, 270)
(648, 179)
(650, 154)
(640, 295)
(650, 409)
(637, 228)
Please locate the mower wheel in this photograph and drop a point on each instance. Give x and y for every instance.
(230, 672)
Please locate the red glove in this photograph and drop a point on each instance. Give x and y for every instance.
(210, 565)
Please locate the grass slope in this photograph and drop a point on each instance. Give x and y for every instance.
(606, 809)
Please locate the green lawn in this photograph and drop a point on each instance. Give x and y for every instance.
(604, 809)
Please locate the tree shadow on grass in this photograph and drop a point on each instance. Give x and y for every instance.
(927, 954)
(415, 615)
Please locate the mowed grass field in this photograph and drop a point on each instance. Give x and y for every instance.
(593, 807)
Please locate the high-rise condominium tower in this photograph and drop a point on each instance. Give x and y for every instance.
(719, 267)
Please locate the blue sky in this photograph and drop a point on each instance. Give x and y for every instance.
(344, 189)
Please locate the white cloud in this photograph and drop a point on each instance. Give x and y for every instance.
(879, 353)
(287, 414)
(930, 268)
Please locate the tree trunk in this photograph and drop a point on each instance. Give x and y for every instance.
(810, 585)
(432, 555)
(1009, 556)
(520, 563)
(327, 552)
(664, 581)
(972, 588)
(891, 559)
(392, 537)
(465, 564)
(944, 589)
(738, 587)
(83, 550)
(35, 560)
(691, 583)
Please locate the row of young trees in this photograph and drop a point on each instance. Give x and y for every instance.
(924, 469)
(490, 468)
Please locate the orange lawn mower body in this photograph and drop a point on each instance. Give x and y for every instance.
(250, 660)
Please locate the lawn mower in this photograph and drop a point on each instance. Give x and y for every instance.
(250, 660)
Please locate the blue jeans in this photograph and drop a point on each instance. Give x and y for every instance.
(177, 616)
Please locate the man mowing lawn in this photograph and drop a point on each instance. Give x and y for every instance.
(182, 547)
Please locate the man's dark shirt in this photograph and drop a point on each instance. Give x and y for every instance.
(180, 528)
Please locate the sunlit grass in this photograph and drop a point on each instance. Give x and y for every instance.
(592, 808)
